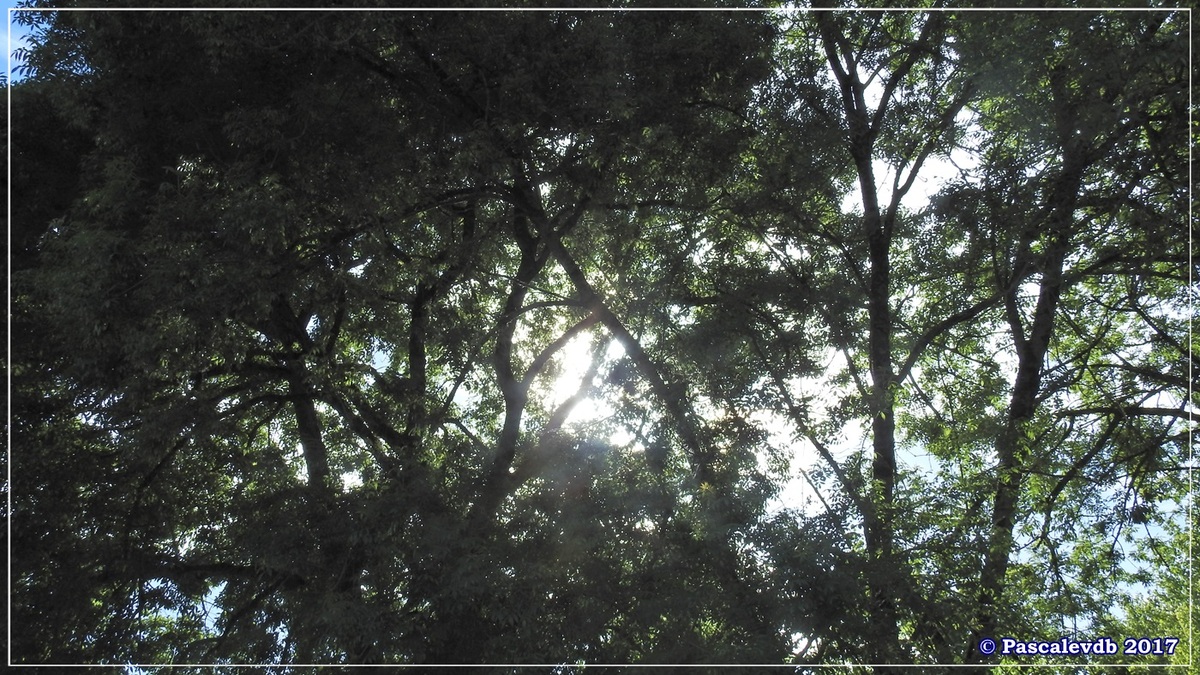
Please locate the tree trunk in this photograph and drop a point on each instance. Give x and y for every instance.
(1012, 444)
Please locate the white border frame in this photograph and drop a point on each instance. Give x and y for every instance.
(1192, 297)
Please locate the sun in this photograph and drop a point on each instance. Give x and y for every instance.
(574, 361)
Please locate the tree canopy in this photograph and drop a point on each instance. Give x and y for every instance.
(834, 336)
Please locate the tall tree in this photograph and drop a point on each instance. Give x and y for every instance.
(1104, 88)
(344, 249)
(894, 99)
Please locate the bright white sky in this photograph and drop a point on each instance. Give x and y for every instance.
(575, 357)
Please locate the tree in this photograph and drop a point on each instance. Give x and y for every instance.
(1099, 116)
(381, 295)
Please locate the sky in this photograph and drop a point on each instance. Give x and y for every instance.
(16, 39)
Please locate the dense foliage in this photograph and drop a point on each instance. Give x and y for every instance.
(598, 337)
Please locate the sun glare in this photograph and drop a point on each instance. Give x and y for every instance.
(574, 362)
